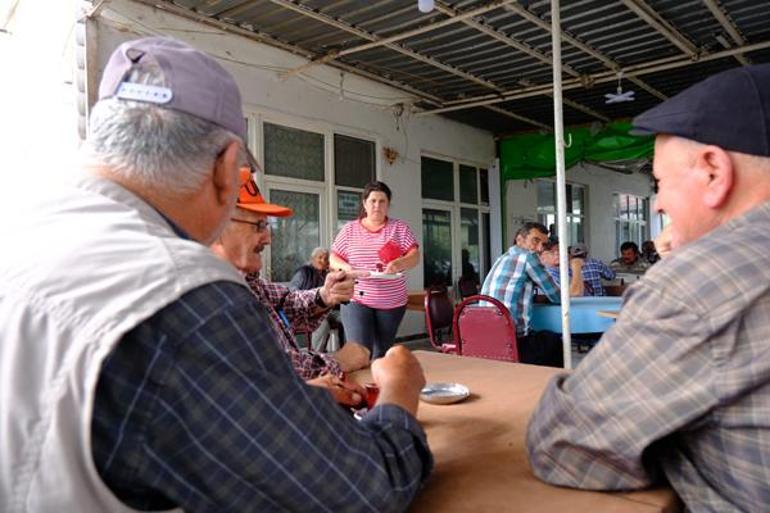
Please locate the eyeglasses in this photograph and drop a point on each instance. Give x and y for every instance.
(260, 226)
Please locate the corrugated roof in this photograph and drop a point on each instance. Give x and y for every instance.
(488, 63)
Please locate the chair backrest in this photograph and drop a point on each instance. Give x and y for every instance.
(485, 330)
(438, 313)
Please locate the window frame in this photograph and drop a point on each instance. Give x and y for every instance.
(645, 224)
(327, 189)
(455, 207)
(583, 216)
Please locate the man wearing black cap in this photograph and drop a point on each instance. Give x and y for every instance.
(680, 386)
(137, 369)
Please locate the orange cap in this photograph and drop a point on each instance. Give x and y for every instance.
(250, 198)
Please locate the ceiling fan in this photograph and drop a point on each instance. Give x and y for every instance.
(619, 96)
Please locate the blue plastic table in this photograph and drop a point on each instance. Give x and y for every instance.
(584, 316)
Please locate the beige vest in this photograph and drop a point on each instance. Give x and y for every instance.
(76, 274)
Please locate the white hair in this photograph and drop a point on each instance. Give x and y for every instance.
(317, 251)
(152, 146)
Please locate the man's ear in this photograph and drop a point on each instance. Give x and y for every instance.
(226, 179)
(719, 177)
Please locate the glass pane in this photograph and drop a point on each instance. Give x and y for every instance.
(546, 201)
(487, 247)
(296, 236)
(347, 207)
(645, 209)
(468, 192)
(484, 186)
(294, 153)
(623, 206)
(469, 243)
(437, 179)
(437, 257)
(354, 164)
(577, 199)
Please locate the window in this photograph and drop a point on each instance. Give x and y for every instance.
(293, 153)
(354, 161)
(324, 193)
(294, 237)
(576, 212)
(354, 167)
(455, 221)
(437, 179)
(631, 216)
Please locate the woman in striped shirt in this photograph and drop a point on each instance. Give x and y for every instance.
(386, 247)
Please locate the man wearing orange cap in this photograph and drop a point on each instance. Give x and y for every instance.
(241, 243)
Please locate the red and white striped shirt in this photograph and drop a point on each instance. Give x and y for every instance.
(359, 247)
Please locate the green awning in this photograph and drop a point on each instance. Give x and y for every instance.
(529, 156)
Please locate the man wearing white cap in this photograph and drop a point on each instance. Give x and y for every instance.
(138, 371)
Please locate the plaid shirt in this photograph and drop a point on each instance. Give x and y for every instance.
(299, 306)
(680, 385)
(593, 271)
(512, 281)
(198, 408)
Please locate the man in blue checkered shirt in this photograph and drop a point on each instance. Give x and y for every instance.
(513, 280)
(591, 269)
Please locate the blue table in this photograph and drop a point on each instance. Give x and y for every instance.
(584, 316)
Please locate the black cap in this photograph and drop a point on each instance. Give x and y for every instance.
(730, 110)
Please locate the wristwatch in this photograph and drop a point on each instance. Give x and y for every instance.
(319, 301)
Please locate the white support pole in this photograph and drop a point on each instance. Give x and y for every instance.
(561, 189)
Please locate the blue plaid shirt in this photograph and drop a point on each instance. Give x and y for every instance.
(593, 271)
(512, 281)
(198, 407)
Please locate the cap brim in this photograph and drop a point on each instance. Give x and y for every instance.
(268, 209)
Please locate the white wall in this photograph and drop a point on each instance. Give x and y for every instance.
(315, 101)
(38, 126)
(521, 203)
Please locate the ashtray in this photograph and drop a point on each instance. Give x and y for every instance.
(444, 393)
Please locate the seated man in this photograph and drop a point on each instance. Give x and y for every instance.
(679, 388)
(593, 270)
(139, 372)
(549, 257)
(241, 243)
(512, 280)
(649, 253)
(629, 261)
(311, 276)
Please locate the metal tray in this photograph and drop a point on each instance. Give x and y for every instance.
(444, 393)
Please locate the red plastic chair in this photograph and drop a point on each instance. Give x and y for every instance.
(439, 310)
(485, 331)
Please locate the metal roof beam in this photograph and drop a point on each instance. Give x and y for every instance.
(519, 117)
(376, 40)
(260, 37)
(729, 27)
(609, 63)
(648, 14)
(491, 32)
(598, 78)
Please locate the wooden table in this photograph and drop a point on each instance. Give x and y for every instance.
(416, 300)
(478, 446)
